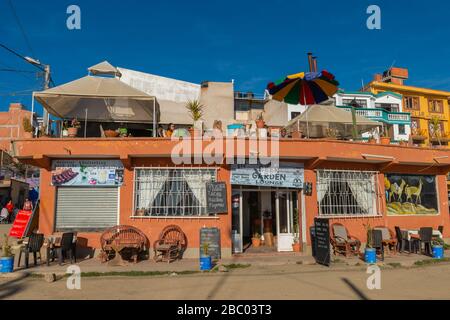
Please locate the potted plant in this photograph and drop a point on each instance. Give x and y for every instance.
(7, 259)
(370, 254)
(256, 240)
(372, 140)
(435, 130)
(260, 121)
(419, 135)
(205, 258)
(196, 111)
(385, 138)
(140, 212)
(27, 128)
(73, 128)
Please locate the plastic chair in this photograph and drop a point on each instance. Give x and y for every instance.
(67, 248)
(425, 237)
(402, 242)
(377, 242)
(33, 246)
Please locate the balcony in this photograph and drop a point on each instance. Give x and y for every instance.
(381, 115)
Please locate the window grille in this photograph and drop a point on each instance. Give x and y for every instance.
(161, 192)
(347, 193)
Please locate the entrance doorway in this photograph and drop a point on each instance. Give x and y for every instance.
(266, 212)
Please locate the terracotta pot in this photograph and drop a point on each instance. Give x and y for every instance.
(418, 138)
(28, 135)
(296, 135)
(296, 247)
(372, 141)
(403, 143)
(72, 132)
(260, 124)
(385, 140)
(256, 242)
(111, 133)
(140, 213)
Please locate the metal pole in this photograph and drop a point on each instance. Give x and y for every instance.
(354, 130)
(154, 117)
(85, 122)
(45, 114)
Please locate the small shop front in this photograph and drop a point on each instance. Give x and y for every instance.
(265, 207)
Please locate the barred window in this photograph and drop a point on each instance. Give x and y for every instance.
(161, 192)
(347, 193)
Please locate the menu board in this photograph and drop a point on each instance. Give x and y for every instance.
(322, 243)
(216, 197)
(211, 236)
(98, 173)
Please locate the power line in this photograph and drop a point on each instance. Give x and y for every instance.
(22, 30)
(19, 56)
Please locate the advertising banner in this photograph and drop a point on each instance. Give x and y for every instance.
(87, 173)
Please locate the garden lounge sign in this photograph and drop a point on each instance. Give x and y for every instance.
(286, 175)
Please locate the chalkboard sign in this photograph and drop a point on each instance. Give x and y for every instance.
(211, 236)
(322, 241)
(216, 197)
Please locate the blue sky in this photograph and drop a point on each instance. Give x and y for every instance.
(253, 42)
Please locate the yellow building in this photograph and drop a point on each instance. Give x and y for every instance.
(429, 109)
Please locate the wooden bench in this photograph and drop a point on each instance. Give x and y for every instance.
(119, 238)
(171, 244)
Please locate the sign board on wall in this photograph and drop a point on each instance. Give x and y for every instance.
(98, 173)
(286, 175)
(216, 197)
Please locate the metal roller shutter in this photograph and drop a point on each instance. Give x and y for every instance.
(86, 208)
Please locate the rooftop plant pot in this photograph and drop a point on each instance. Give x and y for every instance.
(418, 138)
(403, 143)
(296, 134)
(28, 135)
(72, 132)
(260, 124)
(111, 134)
(193, 132)
(385, 140)
(372, 141)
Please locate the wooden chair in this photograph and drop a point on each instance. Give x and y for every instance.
(119, 238)
(171, 244)
(342, 242)
(389, 241)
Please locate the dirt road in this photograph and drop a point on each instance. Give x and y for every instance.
(272, 282)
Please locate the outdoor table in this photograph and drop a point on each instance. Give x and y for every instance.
(413, 233)
(52, 243)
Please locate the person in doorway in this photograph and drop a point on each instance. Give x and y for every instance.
(170, 130)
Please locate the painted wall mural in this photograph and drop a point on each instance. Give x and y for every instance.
(411, 194)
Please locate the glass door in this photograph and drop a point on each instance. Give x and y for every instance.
(284, 208)
(236, 230)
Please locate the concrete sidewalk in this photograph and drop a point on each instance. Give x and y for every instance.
(238, 261)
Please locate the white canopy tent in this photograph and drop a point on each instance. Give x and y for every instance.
(102, 99)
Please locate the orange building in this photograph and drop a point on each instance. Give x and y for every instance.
(11, 124)
(90, 184)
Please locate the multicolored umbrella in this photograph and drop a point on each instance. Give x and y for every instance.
(304, 88)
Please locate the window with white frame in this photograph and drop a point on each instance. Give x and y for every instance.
(347, 193)
(162, 192)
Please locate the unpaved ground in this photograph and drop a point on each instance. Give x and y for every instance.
(256, 282)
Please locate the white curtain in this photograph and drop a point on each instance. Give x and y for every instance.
(363, 190)
(322, 186)
(197, 179)
(150, 182)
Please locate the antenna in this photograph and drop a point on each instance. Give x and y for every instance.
(362, 83)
